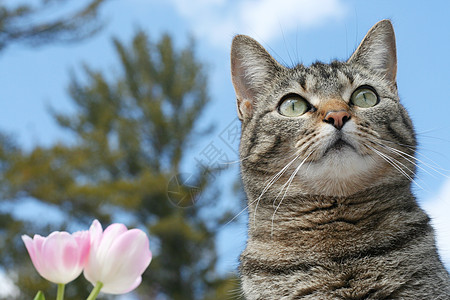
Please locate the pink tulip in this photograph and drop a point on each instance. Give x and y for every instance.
(118, 257)
(61, 256)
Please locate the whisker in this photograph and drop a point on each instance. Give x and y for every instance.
(285, 44)
(393, 162)
(271, 182)
(397, 143)
(290, 179)
(415, 148)
(238, 214)
(432, 130)
(235, 161)
(393, 150)
(434, 137)
(432, 164)
(295, 154)
(268, 183)
(405, 155)
(288, 183)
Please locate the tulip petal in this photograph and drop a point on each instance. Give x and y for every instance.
(111, 233)
(132, 256)
(83, 240)
(61, 255)
(31, 248)
(123, 288)
(118, 259)
(95, 232)
(100, 243)
(56, 257)
(92, 264)
(38, 241)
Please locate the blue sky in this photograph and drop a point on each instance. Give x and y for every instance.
(32, 80)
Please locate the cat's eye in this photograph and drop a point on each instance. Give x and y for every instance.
(293, 106)
(364, 97)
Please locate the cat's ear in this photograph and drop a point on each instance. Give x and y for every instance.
(377, 51)
(252, 67)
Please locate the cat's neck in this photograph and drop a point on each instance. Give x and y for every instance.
(300, 203)
(325, 226)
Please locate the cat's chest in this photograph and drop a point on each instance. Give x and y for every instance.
(324, 280)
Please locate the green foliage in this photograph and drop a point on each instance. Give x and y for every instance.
(131, 133)
(30, 24)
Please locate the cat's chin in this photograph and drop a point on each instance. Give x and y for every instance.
(341, 171)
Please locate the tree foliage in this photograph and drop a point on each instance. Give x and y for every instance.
(131, 133)
(37, 25)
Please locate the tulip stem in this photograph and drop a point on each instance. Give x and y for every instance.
(60, 292)
(95, 291)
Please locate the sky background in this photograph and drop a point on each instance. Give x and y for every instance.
(34, 80)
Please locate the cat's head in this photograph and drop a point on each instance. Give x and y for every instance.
(329, 129)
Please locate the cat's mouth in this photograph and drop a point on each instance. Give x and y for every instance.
(339, 145)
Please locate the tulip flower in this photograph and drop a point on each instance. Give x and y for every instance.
(117, 258)
(61, 256)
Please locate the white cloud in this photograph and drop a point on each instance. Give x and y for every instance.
(218, 20)
(439, 210)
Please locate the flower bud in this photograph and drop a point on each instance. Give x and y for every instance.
(118, 257)
(61, 256)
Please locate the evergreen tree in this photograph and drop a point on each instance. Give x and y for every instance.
(131, 132)
(29, 24)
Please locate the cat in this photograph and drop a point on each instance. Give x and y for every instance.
(327, 163)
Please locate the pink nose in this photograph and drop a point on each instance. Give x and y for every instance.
(337, 118)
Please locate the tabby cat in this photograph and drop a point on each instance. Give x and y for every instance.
(327, 161)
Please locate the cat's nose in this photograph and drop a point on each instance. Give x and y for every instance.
(337, 118)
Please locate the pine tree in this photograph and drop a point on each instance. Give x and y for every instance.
(130, 134)
(25, 23)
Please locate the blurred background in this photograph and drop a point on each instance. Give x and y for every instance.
(124, 111)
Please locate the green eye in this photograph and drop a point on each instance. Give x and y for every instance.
(293, 106)
(364, 97)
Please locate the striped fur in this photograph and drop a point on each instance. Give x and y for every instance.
(329, 221)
